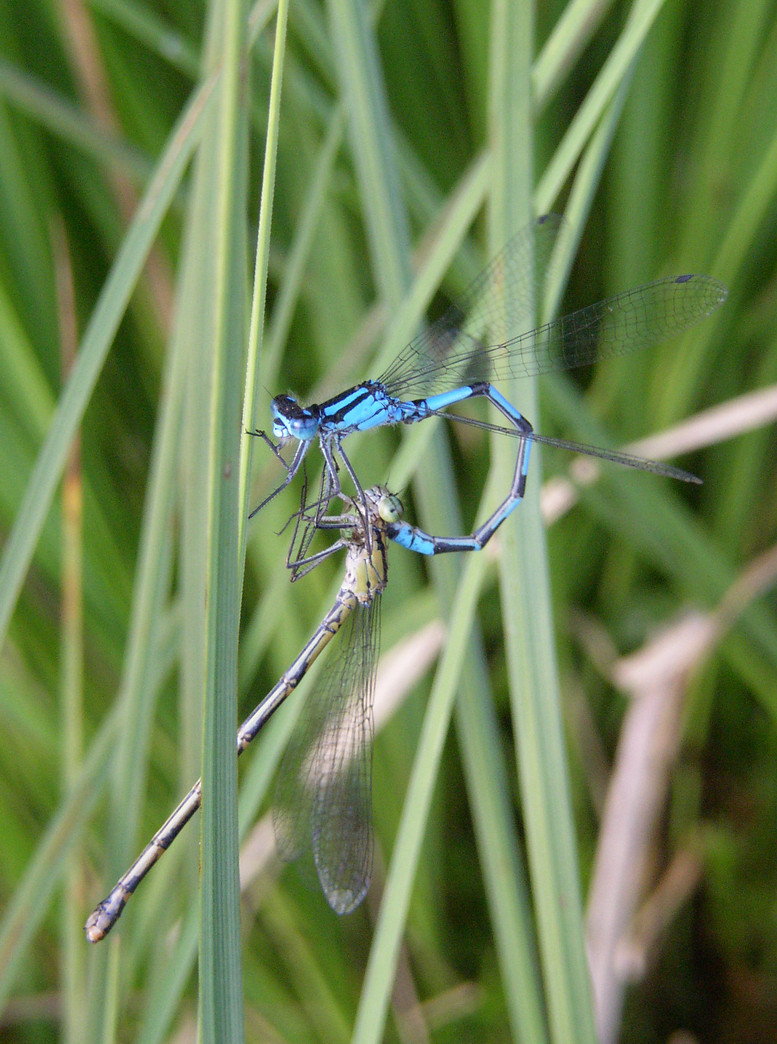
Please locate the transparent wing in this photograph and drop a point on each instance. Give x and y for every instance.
(490, 310)
(324, 791)
(341, 818)
(628, 460)
(479, 338)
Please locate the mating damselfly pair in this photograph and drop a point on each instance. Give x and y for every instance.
(324, 792)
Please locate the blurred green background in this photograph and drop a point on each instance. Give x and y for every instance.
(654, 128)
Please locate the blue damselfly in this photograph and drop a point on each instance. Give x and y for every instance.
(476, 342)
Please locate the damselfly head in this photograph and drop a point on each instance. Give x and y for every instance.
(390, 507)
(290, 420)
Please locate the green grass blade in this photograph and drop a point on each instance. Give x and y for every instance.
(95, 345)
(214, 290)
(526, 604)
(258, 303)
(25, 912)
(643, 14)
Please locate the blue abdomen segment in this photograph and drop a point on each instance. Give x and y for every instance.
(415, 539)
(420, 409)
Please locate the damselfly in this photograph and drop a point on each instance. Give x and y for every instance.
(479, 341)
(323, 798)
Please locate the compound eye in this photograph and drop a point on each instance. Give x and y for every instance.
(283, 408)
(390, 508)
